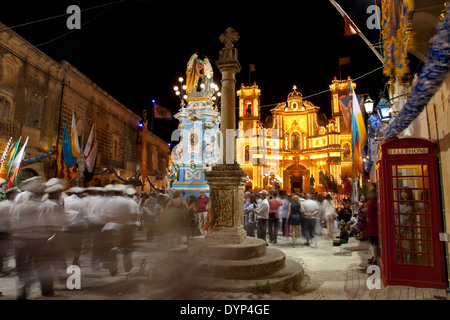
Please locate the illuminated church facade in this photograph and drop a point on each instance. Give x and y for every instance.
(290, 151)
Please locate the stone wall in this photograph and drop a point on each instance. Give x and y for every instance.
(434, 124)
(38, 97)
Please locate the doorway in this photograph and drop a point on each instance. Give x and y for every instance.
(296, 184)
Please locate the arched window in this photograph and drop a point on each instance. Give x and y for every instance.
(248, 108)
(295, 141)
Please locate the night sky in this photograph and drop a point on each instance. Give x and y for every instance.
(136, 50)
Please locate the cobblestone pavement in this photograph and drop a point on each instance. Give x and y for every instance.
(331, 273)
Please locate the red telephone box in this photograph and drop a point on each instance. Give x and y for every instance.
(409, 214)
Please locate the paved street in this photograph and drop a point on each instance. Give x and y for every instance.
(331, 273)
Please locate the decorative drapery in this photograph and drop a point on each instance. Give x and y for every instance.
(429, 80)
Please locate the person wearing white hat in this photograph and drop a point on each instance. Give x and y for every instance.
(95, 199)
(5, 225)
(52, 218)
(77, 221)
(262, 211)
(25, 194)
(115, 212)
(28, 241)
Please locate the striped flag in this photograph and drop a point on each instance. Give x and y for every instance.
(359, 135)
(12, 156)
(69, 158)
(4, 157)
(17, 163)
(64, 171)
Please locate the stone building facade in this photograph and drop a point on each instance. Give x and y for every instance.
(296, 144)
(38, 96)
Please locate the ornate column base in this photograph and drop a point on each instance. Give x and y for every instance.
(226, 183)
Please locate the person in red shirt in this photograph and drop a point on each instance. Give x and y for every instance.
(202, 211)
(274, 205)
(370, 211)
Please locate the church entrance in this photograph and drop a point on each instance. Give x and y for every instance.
(294, 177)
(296, 184)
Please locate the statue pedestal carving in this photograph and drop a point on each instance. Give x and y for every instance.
(226, 183)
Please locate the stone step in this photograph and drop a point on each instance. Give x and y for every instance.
(288, 277)
(253, 268)
(250, 248)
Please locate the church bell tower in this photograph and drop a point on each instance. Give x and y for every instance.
(249, 106)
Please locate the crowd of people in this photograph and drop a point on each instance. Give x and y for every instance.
(48, 225)
(305, 215)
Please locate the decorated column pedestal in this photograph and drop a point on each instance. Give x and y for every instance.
(226, 183)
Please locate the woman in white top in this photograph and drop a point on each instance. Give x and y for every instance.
(329, 212)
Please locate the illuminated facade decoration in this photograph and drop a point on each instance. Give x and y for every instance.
(397, 31)
(199, 119)
(295, 144)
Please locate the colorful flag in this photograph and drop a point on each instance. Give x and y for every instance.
(17, 163)
(161, 112)
(359, 120)
(75, 145)
(359, 136)
(12, 155)
(3, 160)
(345, 104)
(69, 158)
(64, 171)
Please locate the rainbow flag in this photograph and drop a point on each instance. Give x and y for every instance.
(359, 135)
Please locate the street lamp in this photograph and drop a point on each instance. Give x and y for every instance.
(368, 105)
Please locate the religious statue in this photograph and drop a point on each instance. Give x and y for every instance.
(199, 71)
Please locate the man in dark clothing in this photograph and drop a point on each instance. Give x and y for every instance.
(345, 213)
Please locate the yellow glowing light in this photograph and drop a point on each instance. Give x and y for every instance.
(318, 156)
(335, 154)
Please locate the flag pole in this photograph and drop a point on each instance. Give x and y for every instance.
(350, 21)
(81, 164)
(153, 115)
